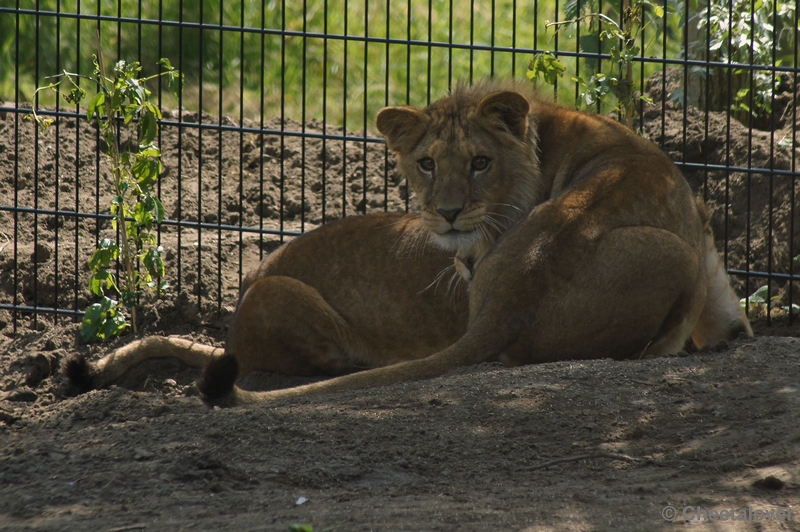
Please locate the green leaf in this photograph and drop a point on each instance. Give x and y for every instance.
(547, 66)
(153, 109)
(301, 528)
(142, 216)
(96, 105)
(148, 128)
(146, 170)
(99, 281)
(131, 111)
(114, 324)
(43, 123)
(589, 43)
(75, 95)
(158, 209)
(90, 325)
(102, 321)
(107, 250)
(136, 91)
(153, 262)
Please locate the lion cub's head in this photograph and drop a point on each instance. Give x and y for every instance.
(471, 160)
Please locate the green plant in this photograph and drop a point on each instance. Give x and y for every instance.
(619, 40)
(122, 105)
(546, 66)
(757, 301)
(745, 32)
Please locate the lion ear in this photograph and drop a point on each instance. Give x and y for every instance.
(403, 127)
(511, 108)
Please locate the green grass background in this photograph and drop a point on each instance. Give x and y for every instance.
(234, 68)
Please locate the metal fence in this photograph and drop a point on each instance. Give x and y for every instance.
(272, 134)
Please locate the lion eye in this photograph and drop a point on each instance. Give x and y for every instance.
(480, 163)
(427, 164)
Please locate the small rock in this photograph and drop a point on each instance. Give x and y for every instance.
(54, 222)
(142, 454)
(42, 252)
(721, 347)
(769, 483)
(26, 396)
(8, 419)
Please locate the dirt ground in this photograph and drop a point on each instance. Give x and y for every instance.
(596, 445)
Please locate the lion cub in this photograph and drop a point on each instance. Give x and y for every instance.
(582, 239)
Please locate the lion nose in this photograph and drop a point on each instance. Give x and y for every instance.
(449, 214)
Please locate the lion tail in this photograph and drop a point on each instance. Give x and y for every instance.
(217, 386)
(218, 379)
(86, 376)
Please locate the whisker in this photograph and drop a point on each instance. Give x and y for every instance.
(510, 218)
(407, 217)
(486, 234)
(496, 225)
(453, 278)
(509, 205)
(438, 279)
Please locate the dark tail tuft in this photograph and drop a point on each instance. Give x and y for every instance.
(218, 378)
(80, 373)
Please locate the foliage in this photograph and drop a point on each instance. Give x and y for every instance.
(545, 65)
(122, 104)
(757, 301)
(250, 57)
(748, 32)
(618, 40)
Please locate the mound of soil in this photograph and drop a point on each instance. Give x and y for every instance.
(598, 445)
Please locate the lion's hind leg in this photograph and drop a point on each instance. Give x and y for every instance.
(722, 317)
(285, 326)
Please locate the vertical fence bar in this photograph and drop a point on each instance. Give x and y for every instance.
(471, 40)
(36, 76)
(240, 222)
(76, 271)
(57, 168)
(282, 203)
(387, 65)
(200, 130)
(15, 214)
(748, 254)
(430, 51)
(325, 109)
(771, 163)
(181, 117)
(729, 80)
(303, 118)
(262, 117)
(514, 38)
(220, 114)
(346, 33)
(365, 111)
(794, 145)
